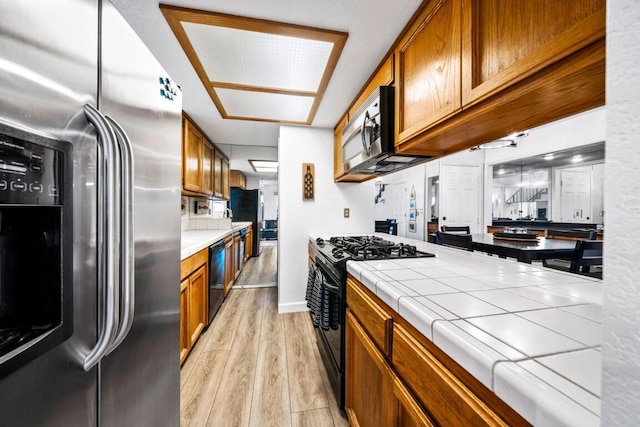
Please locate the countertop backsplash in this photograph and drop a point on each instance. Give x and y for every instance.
(203, 214)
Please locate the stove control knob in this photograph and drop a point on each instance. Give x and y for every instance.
(320, 241)
(338, 252)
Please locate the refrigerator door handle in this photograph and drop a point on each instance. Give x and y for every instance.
(107, 229)
(127, 257)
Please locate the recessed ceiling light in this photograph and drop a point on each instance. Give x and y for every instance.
(501, 171)
(549, 157)
(264, 166)
(500, 143)
(577, 158)
(508, 141)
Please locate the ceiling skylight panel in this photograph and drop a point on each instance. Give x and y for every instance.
(265, 106)
(259, 59)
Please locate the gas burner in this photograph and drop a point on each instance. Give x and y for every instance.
(373, 248)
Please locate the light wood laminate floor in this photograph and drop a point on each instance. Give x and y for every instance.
(255, 367)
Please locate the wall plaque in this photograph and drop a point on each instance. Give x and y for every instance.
(308, 178)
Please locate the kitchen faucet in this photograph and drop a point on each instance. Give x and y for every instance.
(228, 213)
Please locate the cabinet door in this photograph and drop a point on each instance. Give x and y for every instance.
(192, 158)
(237, 258)
(443, 394)
(428, 70)
(505, 41)
(207, 168)
(217, 174)
(197, 311)
(185, 337)
(369, 399)
(409, 411)
(226, 190)
(229, 274)
(248, 245)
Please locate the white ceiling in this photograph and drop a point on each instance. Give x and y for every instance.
(373, 26)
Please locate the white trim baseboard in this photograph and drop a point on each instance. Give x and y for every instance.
(292, 307)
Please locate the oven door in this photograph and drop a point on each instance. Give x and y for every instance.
(330, 331)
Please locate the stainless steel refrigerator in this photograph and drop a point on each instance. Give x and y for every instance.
(74, 72)
(246, 205)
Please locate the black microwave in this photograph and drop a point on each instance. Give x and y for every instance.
(368, 138)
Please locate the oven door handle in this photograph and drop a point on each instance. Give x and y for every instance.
(331, 288)
(127, 256)
(107, 247)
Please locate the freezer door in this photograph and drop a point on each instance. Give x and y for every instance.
(141, 378)
(48, 71)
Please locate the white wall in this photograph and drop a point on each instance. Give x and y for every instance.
(323, 215)
(621, 334)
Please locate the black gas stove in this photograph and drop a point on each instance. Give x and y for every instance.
(366, 248)
(330, 272)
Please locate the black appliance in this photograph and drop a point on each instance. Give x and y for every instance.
(368, 138)
(35, 246)
(330, 270)
(216, 278)
(246, 205)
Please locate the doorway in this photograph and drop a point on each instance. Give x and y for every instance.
(575, 196)
(460, 196)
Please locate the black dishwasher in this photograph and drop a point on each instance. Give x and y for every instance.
(216, 278)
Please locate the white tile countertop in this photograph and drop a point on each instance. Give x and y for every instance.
(530, 334)
(193, 241)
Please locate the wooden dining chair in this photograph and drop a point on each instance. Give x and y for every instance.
(462, 241)
(586, 259)
(455, 229)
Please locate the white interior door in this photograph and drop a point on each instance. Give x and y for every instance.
(575, 196)
(460, 196)
(400, 207)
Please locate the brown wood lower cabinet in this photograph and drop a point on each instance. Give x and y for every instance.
(248, 243)
(375, 396)
(185, 337)
(229, 267)
(396, 377)
(369, 380)
(446, 397)
(193, 300)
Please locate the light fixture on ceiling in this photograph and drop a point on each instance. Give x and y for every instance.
(501, 171)
(508, 141)
(577, 158)
(549, 157)
(255, 69)
(264, 166)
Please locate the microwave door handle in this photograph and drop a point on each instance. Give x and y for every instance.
(107, 232)
(366, 145)
(127, 256)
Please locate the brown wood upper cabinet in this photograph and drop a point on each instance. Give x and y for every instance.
(505, 41)
(226, 188)
(238, 179)
(470, 71)
(217, 175)
(428, 68)
(192, 155)
(205, 170)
